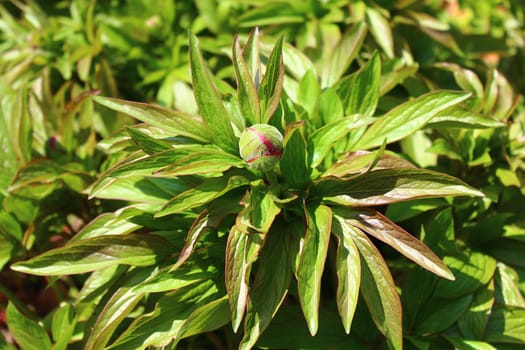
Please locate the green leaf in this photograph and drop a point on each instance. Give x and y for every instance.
(343, 55)
(379, 291)
(348, 267)
(473, 322)
(506, 325)
(381, 30)
(260, 210)
(97, 253)
(380, 227)
(107, 316)
(385, 186)
(293, 162)
(210, 103)
(206, 318)
(173, 314)
(457, 117)
(359, 162)
(179, 123)
(241, 252)
(408, 117)
(269, 287)
(63, 326)
(359, 92)
(29, 334)
(147, 143)
(471, 269)
(272, 83)
(322, 140)
(330, 106)
(246, 88)
(202, 194)
(440, 314)
(312, 260)
(463, 344)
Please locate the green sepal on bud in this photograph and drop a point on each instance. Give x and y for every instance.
(261, 146)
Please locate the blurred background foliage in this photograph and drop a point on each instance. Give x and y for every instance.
(55, 55)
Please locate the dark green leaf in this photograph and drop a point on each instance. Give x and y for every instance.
(210, 103)
(312, 260)
(178, 123)
(408, 117)
(506, 325)
(29, 334)
(97, 253)
(440, 314)
(379, 291)
(473, 322)
(471, 269)
(293, 163)
(206, 318)
(269, 286)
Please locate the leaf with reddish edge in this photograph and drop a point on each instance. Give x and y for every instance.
(209, 101)
(380, 227)
(348, 268)
(241, 251)
(272, 83)
(312, 260)
(379, 290)
(269, 287)
(246, 89)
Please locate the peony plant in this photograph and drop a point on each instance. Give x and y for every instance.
(272, 186)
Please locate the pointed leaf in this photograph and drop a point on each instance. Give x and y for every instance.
(380, 227)
(311, 263)
(246, 90)
(348, 266)
(386, 186)
(210, 103)
(206, 318)
(178, 123)
(241, 251)
(293, 162)
(202, 194)
(97, 253)
(381, 30)
(359, 92)
(344, 54)
(269, 286)
(457, 117)
(29, 334)
(322, 140)
(379, 290)
(147, 143)
(363, 161)
(272, 82)
(408, 117)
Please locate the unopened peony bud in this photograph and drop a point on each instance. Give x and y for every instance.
(261, 146)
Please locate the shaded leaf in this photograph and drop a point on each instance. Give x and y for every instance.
(293, 162)
(506, 325)
(269, 286)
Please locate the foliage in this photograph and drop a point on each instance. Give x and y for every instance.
(139, 225)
